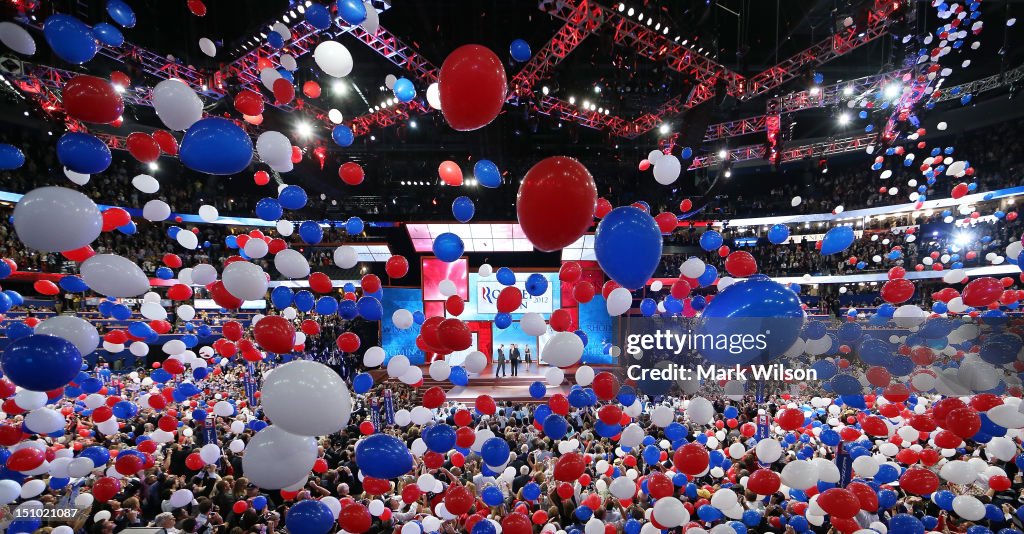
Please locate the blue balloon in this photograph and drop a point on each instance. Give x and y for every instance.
(520, 50)
(275, 40)
(309, 516)
(837, 240)
(448, 247)
(292, 197)
(766, 310)
(362, 382)
(502, 320)
(41, 362)
(538, 390)
(5, 268)
(648, 307)
(70, 39)
(121, 13)
(281, 297)
(555, 427)
(505, 276)
(458, 376)
(492, 496)
(383, 456)
(906, 523)
(304, 300)
(318, 16)
(83, 153)
(348, 309)
(352, 11)
(486, 527)
(354, 226)
(404, 90)
(628, 246)
(326, 305)
(439, 437)
(72, 284)
(310, 232)
(342, 135)
(536, 284)
(710, 240)
(370, 308)
(5, 302)
(108, 34)
(778, 234)
(531, 491)
(216, 146)
(463, 209)
(495, 451)
(487, 174)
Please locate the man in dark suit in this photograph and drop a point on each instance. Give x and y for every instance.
(514, 356)
(501, 361)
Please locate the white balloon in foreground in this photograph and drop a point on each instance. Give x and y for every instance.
(306, 398)
(114, 276)
(563, 349)
(333, 58)
(275, 458)
(57, 219)
(177, 105)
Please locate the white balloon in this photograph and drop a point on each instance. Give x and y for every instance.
(203, 274)
(44, 421)
(662, 416)
(434, 96)
(185, 312)
(291, 263)
(692, 268)
(796, 201)
(268, 76)
(371, 24)
(554, 376)
(563, 349)
(208, 213)
(288, 62)
(146, 184)
(274, 148)
(153, 311)
(475, 362)
(276, 459)
(402, 319)
(245, 280)
(968, 507)
(17, 38)
(346, 257)
(619, 301)
(32, 488)
(333, 58)
(114, 276)
(138, 348)
(207, 47)
(700, 411)
(768, 450)
(667, 169)
(187, 239)
(584, 375)
(398, 365)
(81, 333)
(56, 219)
(177, 104)
(440, 370)
(306, 398)
(256, 248)
(532, 324)
(156, 210)
(285, 228)
(669, 512)
(76, 178)
(335, 116)
(181, 498)
(447, 288)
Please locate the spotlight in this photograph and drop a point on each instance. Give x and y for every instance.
(607, 112)
(309, 3)
(728, 173)
(815, 90)
(153, 166)
(302, 8)
(403, 182)
(373, 138)
(657, 27)
(572, 100)
(412, 123)
(630, 12)
(963, 239)
(663, 129)
(650, 20)
(622, 7)
(665, 31)
(545, 90)
(597, 89)
(722, 153)
(685, 41)
(286, 18)
(848, 90)
(844, 119)
(338, 87)
(893, 90)
(119, 88)
(304, 129)
(586, 104)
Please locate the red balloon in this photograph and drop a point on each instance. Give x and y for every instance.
(570, 272)
(433, 397)
(284, 91)
(397, 266)
(561, 320)
(355, 518)
(667, 222)
(963, 422)
(458, 500)
(897, 272)
(982, 292)
(839, 503)
(454, 305)
(486, 405)
(198, 8)
(659, 485)
(999, 483)
(516, 523)
(472, 87)
(603, 208)
(347, 342)
(105, 488)
(115, 218)
(764, 482)
(366, 428)
(691, 459)
(222, 296)
(897, 291)
(465, 436)
(605, 386)
(610, 414)
(351, 173)
(583, 292)
(865, 495)
(790, 419)
(45, 287)
(232, 330)
(261, 178)
(370, 283)
(92, 99)
(26, 459)
(129, 464)
(740, 264)
(311, 89)
(275, 334)
(686, 205)
(167, 143)
(320, 283)
(559, 404)
(450, 173)
(143, 147)
(249, 102)
(194, 462)
(79, 254)
(509, 299)
(296, 154)
(240, 507)
(556, 203)
(454, 335)
(960, 190)
(917, 480)
(569, 467)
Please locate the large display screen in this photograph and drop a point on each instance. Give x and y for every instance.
(483, 297)
(392, 339)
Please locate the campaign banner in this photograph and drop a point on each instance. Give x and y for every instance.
(375, 413)
(389, 407)
(484, 294)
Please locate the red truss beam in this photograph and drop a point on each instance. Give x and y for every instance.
(820, 148)
(550, 105)
(362, 125)
(31, 78)
(580, 21)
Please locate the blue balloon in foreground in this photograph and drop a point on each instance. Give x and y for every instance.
(383, 456)
(342, 135)
(487, 173)
(710, 240)
(121, 13)
(216, 146)
(836, 240)
(83, 153)
(70, 39)
(108, 34)
(318, 16)
(520, 50)
(536, 284)
(766, 310)
(352, 11)
(463, 209)
(310, 232)
(11, 157)
(309, 517)
(292, 197)
(628, 246)
(404, 90)
(448, 247)
(40, 362)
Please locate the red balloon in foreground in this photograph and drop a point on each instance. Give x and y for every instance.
(472, 87)
(556, 203)
(351, 173)
(397, 266)
(143, 147)
(740, 264)
(92, 99)
(897, 291)
(275, 334)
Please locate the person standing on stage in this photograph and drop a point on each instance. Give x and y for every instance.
(514, 356)
(526, 354)
(501, 361)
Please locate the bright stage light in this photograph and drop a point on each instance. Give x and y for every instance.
(153, 166)
(844, 119)
(722, 153)
(663, 129)
(893, 90)
(338, 87)
(963, 239)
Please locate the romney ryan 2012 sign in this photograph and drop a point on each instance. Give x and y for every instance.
(485, 293)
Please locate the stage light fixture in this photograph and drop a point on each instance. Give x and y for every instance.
(572, 100)
(304, 129)
(153, 166)
(545, 90)
(893, 90)
(722, 153)
(338, 87)
(844, 119)
(622, 7)
(630, 12)
(848, 90)
(663, 129)
(412, 123)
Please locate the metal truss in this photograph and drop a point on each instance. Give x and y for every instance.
(389, 116)
(580, 21)
(32, 78)
(820, 148)
(550, 105)
(981, 85)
